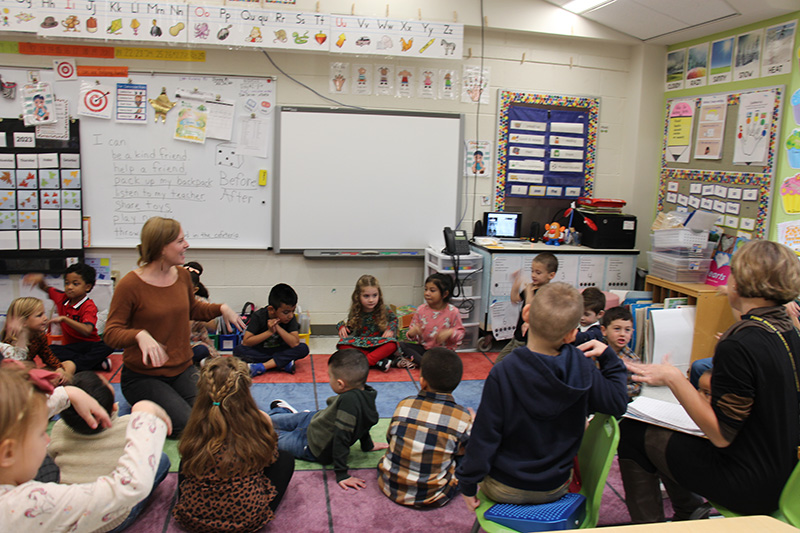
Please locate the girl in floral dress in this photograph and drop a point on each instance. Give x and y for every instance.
(371, 326)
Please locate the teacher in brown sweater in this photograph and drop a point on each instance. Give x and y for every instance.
(149, 317)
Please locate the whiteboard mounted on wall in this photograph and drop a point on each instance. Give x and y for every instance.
(360, 180)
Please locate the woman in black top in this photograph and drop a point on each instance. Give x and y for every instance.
(753, 420)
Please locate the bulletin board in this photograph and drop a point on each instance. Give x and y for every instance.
(739, 193)
(219, 189)
(546, 146)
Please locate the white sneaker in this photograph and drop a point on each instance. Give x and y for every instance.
(282, 404)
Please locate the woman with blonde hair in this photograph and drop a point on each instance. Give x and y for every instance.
(751, 423)
(149, 317)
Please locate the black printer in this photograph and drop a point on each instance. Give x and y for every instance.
(614, 230)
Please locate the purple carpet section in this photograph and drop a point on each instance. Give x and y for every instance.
(314, 505)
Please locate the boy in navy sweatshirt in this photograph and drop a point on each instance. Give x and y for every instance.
(534, 406)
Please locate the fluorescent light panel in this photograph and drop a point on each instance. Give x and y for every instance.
(582, 6)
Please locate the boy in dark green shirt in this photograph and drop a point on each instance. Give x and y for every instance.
(326, 436)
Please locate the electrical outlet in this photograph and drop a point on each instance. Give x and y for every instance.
(484, 200)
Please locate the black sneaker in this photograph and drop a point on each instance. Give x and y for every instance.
(384, 364)
(274, 404)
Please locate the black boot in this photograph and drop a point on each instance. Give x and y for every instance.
(642, 493)
(686, 504)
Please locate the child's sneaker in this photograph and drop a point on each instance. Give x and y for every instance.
(283, 404)
(106, 364)
(384, 364)
(290, 368)
(256, 369)
(402, 362)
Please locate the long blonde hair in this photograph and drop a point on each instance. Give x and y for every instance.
(20, 308)
(157, 232)
(226, 415)
(355, 317)
(19, 399)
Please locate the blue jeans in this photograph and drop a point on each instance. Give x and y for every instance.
(161, 473)
(698, 369)
(292, 429)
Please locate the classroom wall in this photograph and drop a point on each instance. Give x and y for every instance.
(563, 54)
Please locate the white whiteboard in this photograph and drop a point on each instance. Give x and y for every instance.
(366, 180)
(131, 172)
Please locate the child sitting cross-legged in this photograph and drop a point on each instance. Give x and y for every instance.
(427, 434)
(272, 339)
(325, 436)
(534, 405)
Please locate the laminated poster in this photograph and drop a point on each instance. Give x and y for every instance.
(95, 100)
(475, 85)
(778, 41)
(192, 121)
(789, 234)
(679, 131)
(479, 159)
(748, 56)
(697, 66)
(676, 65)
(363, 75)
(753, 124)
(340, 78)
(721, 61)
(38, 105)
(711, 127)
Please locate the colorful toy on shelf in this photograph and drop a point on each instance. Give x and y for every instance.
(553, 234)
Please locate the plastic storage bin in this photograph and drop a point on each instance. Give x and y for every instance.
(445, 262)
(675, 268)
(228, 341)
(470, 341)
(681, 238)
(469, 311)
(703, 251)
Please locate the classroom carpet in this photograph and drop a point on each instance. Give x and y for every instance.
(314, 503)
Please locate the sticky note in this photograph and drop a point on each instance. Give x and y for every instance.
(262, 177)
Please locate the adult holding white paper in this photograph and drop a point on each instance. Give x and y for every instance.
(752, 419)
(149, 317)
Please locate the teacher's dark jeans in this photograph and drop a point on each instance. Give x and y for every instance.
(175, 394)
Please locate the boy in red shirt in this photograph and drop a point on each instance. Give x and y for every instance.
(77, 315)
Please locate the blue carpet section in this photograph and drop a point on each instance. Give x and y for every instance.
(468, 393)
(299, 395)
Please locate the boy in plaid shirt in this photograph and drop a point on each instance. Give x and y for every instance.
(426, 435)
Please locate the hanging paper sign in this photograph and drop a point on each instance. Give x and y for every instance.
(131, 103)
(697, 66)
(679, 131)
(101, 71)
(72, 18)
(390, 37)
(153, 22)
(721, 61)
(38, 104)
(475, 85)
(711, 127)
(753, 125)
(20, 17)
(192, 121)
(47, 49)
(676, 65)
(95, 101)
(64, 69)
(748, 56)
(778, 44)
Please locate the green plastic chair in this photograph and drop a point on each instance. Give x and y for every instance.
(598, 447)
(788, 505)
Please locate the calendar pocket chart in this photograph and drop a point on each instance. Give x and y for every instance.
(40, 196)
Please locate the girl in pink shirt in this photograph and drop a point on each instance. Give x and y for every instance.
(436, 322)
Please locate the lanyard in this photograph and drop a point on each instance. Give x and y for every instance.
(785, 344)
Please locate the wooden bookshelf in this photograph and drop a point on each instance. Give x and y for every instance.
(713, 315)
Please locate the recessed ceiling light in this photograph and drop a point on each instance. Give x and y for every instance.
(582, 6)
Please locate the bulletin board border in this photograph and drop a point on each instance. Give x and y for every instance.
(762, 181)
(732, 99)
(507, 98)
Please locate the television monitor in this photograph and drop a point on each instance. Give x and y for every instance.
(502, 224)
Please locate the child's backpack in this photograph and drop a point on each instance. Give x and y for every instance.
(247, 311)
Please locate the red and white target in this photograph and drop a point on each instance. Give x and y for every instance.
(96, 101)
(65, 69)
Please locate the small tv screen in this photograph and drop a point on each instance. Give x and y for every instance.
(502, 224)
